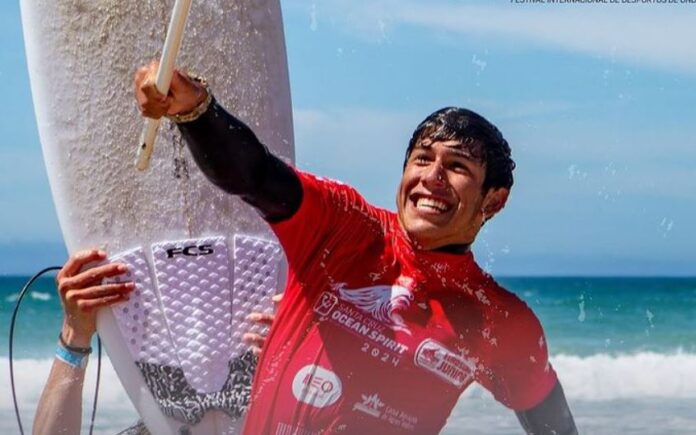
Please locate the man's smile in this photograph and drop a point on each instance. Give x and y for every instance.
(430, 204)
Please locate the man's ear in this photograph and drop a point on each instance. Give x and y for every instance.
(494, 201)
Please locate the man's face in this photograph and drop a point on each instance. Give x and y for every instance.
(440, 200)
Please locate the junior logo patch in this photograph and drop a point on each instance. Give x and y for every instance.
(437, 359)
(316, 386)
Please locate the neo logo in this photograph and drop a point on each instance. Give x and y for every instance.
(191, 251)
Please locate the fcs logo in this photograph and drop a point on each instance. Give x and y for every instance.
(190, 251)
(382, 302)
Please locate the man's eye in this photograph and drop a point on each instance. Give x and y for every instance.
(459, 167)
(421, 159)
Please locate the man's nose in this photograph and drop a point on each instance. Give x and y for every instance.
(435, 175)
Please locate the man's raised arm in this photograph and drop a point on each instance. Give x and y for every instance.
(227, 151)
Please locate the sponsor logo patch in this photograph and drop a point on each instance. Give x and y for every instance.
(316, 386)
(325, 304)
(447, 365)
(370, 405)
(373, 406)
(288, 429)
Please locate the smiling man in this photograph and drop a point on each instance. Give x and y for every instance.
(386, 317)
(457, 174)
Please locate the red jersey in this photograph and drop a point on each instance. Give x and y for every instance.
(376, 336)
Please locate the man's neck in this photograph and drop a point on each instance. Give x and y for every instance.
(462, 248)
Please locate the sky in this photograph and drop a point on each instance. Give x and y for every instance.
(596, 101)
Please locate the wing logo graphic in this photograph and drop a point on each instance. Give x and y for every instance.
(383, 302)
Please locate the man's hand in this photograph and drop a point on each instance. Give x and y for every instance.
(184, 95)
(256, 341)
(82, 293)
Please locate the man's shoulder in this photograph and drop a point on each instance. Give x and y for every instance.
(513, 324)
(321, 182)
(503, 305)
(341, 196)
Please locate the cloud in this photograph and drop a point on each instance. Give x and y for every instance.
(507, 110)
(658, 36)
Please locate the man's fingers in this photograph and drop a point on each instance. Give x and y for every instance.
(149, 89)
(140, 76)
(151, 102)
(277, 298)
(261, 318)
(180, 81)
(91, 304)
(91, 276)
(252, 339)
(99, 292)
(78, 260)
(146, 74)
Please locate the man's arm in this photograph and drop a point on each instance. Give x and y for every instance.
(520, 375)
(60, 407)
(551, 417)
(81, 293)
(227, 151)
(230, 155)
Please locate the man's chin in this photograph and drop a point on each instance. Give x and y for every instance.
(422, 233)
(427, 223)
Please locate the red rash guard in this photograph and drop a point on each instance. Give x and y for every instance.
(376, 336)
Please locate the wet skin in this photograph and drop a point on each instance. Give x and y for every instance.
(441, 200)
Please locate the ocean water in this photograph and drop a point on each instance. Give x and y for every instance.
(624, 349)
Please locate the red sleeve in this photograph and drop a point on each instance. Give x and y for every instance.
(518, 372)
(327, 211)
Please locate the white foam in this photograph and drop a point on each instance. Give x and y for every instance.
(593, 378)
(650, 380)
(30, 378)
(12, 298)
(640, 375)
(602, 377)
(40, 296)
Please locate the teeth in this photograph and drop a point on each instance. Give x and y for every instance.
(430, 203)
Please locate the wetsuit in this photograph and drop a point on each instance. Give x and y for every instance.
(373, 335)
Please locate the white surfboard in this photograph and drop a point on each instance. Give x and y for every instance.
(202, 259)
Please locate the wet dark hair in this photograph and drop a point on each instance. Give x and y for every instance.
(481, 139)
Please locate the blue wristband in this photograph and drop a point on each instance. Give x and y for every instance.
(76, 360)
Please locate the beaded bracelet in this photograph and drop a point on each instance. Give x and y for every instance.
(199, 110)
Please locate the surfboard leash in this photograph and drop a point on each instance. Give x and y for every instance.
(13, 322)
(96, 386)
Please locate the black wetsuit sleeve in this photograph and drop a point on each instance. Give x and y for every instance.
(551, 416)
(231, 156)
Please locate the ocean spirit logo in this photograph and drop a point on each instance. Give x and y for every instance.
(382, 302)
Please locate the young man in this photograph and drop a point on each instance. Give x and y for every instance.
(386, 317)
